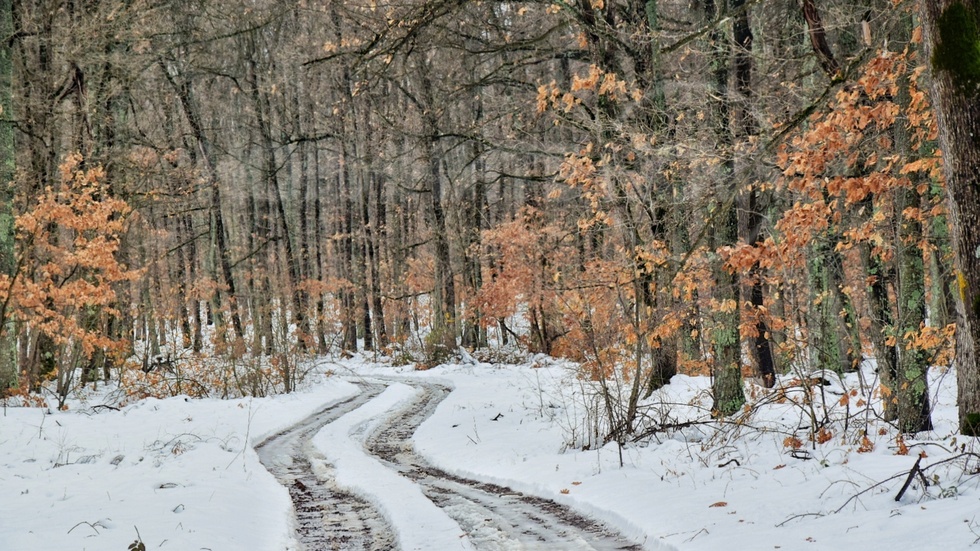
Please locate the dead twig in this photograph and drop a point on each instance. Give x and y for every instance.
(801, 515)
(908, 481)
(89, 524)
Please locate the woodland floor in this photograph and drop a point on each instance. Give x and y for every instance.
(480, 456)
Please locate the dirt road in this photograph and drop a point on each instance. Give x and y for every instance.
(493, 517)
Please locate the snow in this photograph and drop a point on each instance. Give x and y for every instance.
(183, 472)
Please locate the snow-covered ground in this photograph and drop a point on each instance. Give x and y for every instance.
(182, 474)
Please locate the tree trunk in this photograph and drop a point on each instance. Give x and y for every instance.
(375, 239)
(347, 297)
(323, 346)
(303, 269)
(953, 38)
(7, 151)
(881, 320)
(444, 301)
(745, 129)
(727, 388)
(221, 251)
(913, 369)
(363, 263)
(8, 352)
(270, 177)
(834, 344)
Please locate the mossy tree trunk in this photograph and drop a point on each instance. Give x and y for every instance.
(8, 355)
(727, 388)
(833, 325)
(913, 369)
(953, 36)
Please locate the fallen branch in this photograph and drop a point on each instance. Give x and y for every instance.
(921, 470)
(908, 480)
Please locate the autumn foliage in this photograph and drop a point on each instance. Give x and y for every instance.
(610, 284)
(64, 289)
(647, 189)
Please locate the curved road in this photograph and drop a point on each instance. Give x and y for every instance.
(327, 517)
(494, 517)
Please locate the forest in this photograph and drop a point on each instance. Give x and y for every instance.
(204, 193)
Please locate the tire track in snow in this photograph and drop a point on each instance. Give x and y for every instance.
(494, 517)
(327, 517)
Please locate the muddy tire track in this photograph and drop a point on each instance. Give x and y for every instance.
(327, 517)
(494, 517)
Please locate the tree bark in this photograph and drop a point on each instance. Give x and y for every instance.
(375, 239)
(818, 40)
(745, 128)
(444, 302)
(727, 387)
(953, 42)
(8, 352)
(346, 222)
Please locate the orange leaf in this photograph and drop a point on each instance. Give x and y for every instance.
(792, 442)
(903, 449)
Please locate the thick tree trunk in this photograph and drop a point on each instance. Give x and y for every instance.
(323, 345)
(953, 38)
(8, 352)
(727, 388)
(197, 341)
(363, 262)
(7, 151)
(913, 369)
(913, 373)
(304, 269)
(745, 129)
(882, 319)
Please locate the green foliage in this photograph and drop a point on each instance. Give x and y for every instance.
(958, 48)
